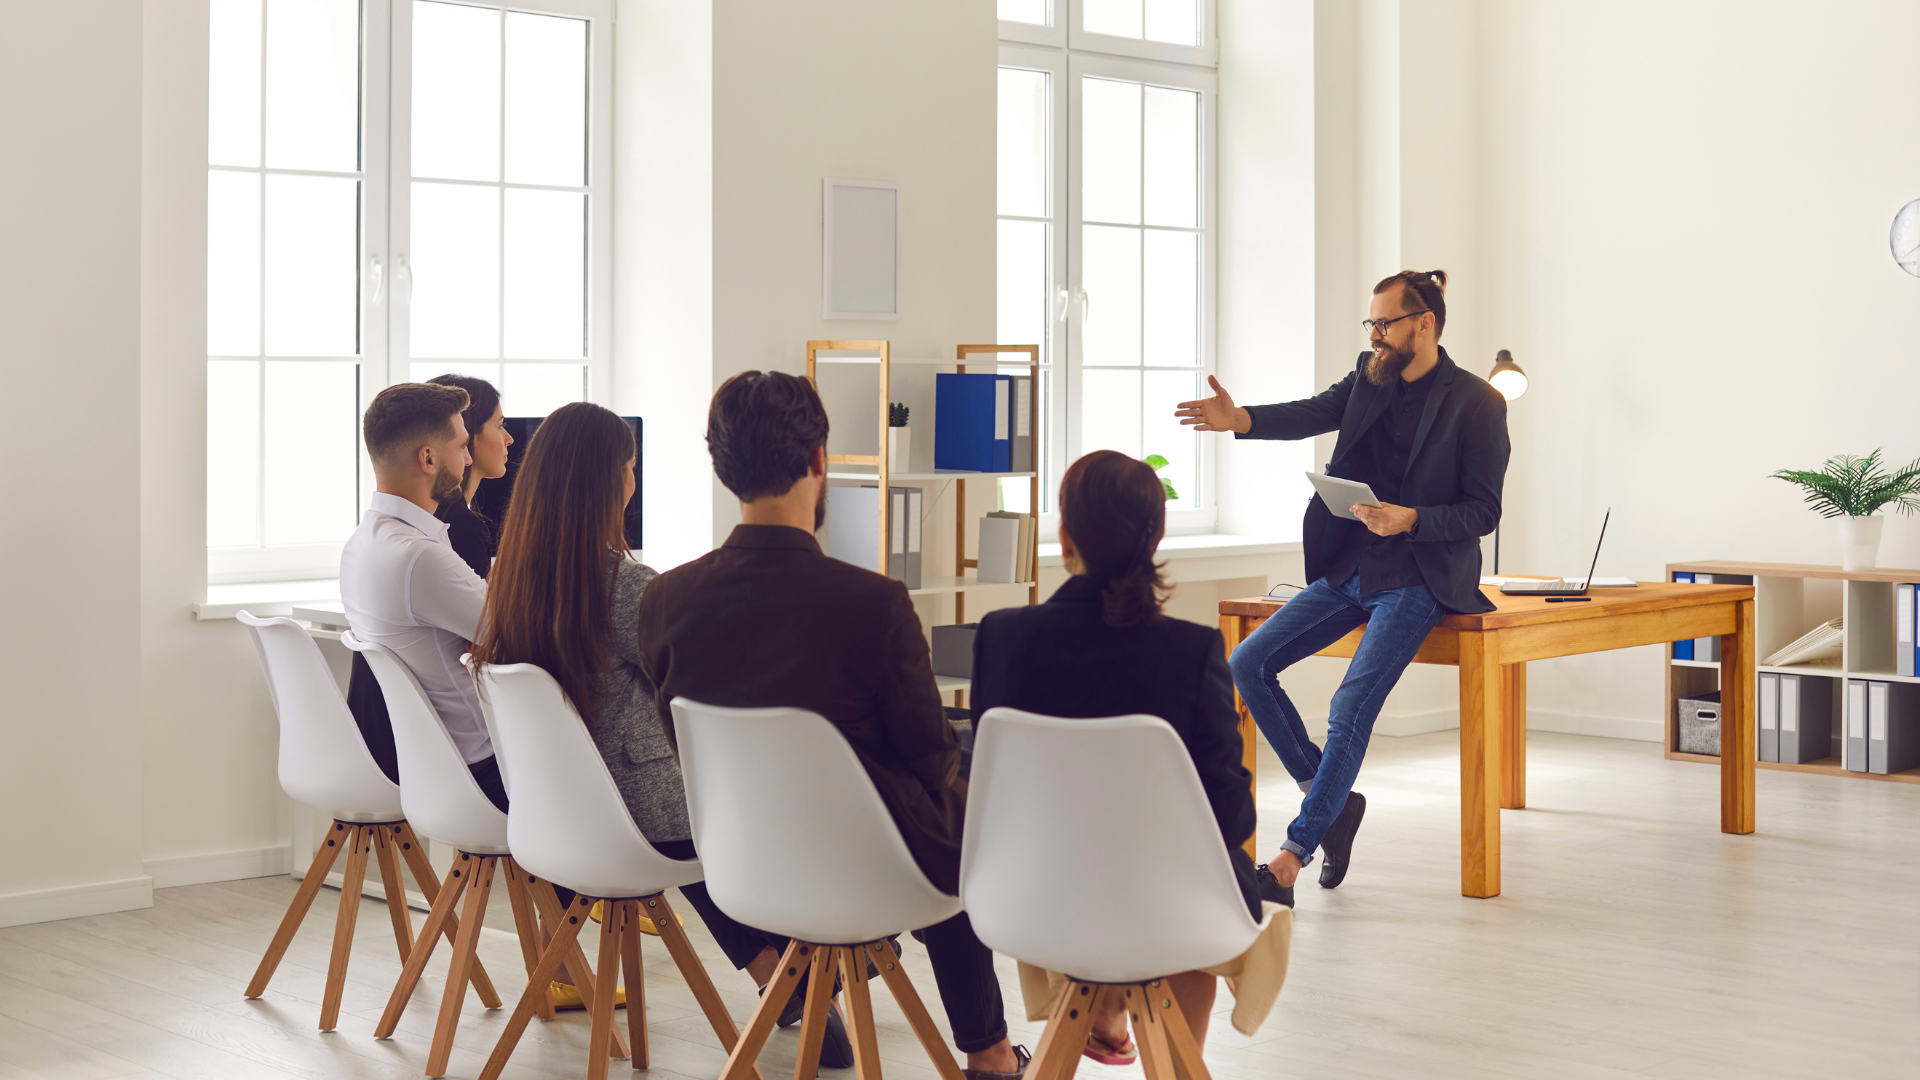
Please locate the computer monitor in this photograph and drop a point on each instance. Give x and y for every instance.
(490, 501)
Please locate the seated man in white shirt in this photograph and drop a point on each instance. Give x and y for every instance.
(400, 580)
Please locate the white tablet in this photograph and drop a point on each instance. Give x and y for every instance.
(1340, 494)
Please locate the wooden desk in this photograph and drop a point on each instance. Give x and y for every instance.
(1492, 651)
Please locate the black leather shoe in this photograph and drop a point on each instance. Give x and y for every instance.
(836, 1049)
(797, 1004)
(1336, 847)
(1270, 888)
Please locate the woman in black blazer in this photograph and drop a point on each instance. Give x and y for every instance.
(1101, 647)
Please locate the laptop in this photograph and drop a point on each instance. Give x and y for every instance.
(1561, 588)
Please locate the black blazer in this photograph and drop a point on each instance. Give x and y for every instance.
(1455, 471)
(1061, 659)
(767, 619)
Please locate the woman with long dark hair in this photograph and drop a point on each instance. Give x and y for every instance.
(1101, 646)
(565, 594)
(472, 535)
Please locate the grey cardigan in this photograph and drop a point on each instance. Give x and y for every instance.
(628, 730)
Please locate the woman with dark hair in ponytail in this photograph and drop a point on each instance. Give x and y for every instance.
(1100, 646)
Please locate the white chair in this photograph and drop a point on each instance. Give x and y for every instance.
(796, 841)
(444, 802)
(324, 764)
(1090, 849)
(569, 824)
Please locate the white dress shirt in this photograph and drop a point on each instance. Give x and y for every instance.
(404, 587)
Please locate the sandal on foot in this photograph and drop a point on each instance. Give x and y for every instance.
(1106, 1053)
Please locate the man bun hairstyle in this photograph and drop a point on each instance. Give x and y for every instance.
(761, 429)
(1115, 510)
(406, 415)
(1420, 290)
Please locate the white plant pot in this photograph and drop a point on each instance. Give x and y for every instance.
(899, 448)
(1860, 542)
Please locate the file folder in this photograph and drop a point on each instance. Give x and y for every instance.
(1853, 756)
(1806, 719)
(1022, 423)
(853, 514)
(1768, 747)
(999, 550)
(1893, 728)
(972, 422)
(1903, 630)
(1683, 650)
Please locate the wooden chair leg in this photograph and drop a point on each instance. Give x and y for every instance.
(896, 979)
(463, 959)
(674, 936)
(1155, 1057)
(606, 983)
(566, 938)
(813, 1022)
(416, 857)
(527, 925)
(390, 879)
(859, 1018)
(1066, 1033)
(740, 1062)
(356, 877)
(1165, 1006)
(636, 981)
(323, 858)
(547, 902)
(443, 905)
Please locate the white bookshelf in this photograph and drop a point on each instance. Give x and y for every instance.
(1790, 599)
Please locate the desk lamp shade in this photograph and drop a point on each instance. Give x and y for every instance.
(1507, 377)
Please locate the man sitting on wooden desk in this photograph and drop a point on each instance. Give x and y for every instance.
(1431, 441)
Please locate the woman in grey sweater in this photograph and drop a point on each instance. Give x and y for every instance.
(564, 594)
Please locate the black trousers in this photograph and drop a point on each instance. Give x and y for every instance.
(963, 969)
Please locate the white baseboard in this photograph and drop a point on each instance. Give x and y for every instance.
(1605, 727)
(219, 866)
(76, 901)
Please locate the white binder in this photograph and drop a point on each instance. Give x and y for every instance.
(1854, 745)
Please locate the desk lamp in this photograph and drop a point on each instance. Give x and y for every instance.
(1507, 378)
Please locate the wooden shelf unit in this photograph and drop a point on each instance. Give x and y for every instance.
(1790, 599)
(959, 584)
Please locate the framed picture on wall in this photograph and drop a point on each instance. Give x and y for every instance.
(860, 249)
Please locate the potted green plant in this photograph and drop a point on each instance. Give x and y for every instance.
(899, 446)
(1156, 463)
(1851, 490)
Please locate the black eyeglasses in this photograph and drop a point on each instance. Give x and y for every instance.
(1371, 325)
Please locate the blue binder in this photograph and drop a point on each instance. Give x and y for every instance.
(970, 422)
(1683, 650)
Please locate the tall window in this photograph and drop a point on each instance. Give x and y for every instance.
(1106, 223)
(397, 189)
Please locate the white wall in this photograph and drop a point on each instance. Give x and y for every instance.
(70, 347)
(212, 804)
(1685, 244)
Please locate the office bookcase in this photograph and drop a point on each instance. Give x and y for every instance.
(876, 468)
(1788, 600)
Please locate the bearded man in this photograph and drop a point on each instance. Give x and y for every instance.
(1431, 441)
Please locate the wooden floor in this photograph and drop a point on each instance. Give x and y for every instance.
(1634, 940)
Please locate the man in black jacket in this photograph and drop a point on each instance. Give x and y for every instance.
(1431, 441)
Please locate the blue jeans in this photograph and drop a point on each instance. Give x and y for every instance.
(1397, 621)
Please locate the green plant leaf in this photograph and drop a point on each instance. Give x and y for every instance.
(1155, 462)
(1166, 485)
(1853, 486)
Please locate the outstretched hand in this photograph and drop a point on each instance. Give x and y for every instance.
(1216, 413)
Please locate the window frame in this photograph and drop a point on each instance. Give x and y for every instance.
(1066, 400)
(1205, 54)
(383, 359)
